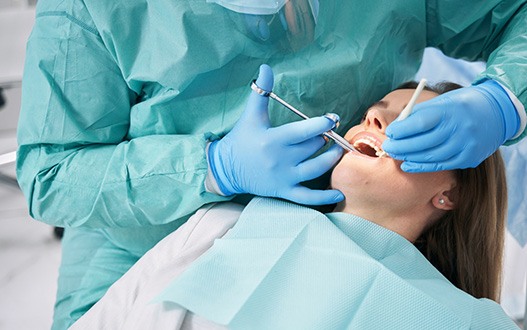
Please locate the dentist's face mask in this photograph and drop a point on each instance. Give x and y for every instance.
(286, 24)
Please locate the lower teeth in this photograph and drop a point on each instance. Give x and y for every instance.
(380, 153)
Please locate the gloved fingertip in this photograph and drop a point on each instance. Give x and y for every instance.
(407, 168)
(388, 147)
(412, 168)
(389, 132)
(329, 197)
(336, 150)
(398, 157)
(265, 78)
(329, 124)
(339, 197)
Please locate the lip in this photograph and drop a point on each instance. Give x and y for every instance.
(360, 155)
(367, 135)
(371, 138)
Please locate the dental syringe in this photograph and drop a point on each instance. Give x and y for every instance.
(329, 134)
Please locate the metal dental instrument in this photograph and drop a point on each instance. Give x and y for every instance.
(329, 134)
(410, 106)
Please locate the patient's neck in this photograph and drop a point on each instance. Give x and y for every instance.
(408, 223)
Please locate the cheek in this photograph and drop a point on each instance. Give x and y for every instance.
(420, 188)
(351, 132)
(354, 172)
(431, 182)
(345, 175)
(353, 176)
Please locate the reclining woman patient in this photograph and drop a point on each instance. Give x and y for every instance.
(403, 251)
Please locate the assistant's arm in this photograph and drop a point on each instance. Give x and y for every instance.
(75, 164)
(508, 65)
(460, 128)
(492, 31)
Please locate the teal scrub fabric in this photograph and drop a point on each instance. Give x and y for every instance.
(120, 98)
(284, 266)
(89, 265)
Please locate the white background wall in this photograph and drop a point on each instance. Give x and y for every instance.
(16, 20)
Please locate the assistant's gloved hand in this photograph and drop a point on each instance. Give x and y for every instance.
(458, 129)
(258, 159)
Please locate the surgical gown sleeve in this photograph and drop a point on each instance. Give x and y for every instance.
(493, 31)
(75, 164)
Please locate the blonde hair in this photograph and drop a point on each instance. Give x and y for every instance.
(466, 244)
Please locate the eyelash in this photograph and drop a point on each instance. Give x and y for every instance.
(364, 116)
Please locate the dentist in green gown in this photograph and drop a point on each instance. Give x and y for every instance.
(136, 113)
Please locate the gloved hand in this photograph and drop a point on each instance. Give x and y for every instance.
(258, 159)
(458, 129)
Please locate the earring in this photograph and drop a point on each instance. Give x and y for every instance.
(441, 201)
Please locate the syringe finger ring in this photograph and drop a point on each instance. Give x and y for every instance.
(334, 118)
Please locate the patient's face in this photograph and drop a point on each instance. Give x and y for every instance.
(369, 181)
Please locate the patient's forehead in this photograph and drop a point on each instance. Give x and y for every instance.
(394, 102)
(399, 98)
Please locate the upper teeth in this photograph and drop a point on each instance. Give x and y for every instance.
(370, 142)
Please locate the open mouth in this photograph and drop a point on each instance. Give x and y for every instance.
(369, 146)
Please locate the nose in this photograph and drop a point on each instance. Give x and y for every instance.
(375, 120)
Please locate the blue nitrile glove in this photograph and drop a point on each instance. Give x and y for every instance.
(258, 159)
(458, 129)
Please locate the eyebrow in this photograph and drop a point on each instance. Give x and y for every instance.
(381, 104)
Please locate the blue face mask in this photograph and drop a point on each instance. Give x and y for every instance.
(286, 24)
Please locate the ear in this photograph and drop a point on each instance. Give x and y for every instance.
(444, 201)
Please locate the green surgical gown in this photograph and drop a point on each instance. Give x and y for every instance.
(121, 97)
